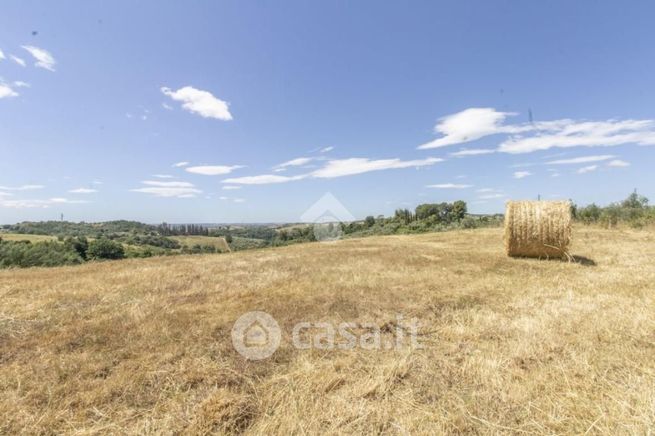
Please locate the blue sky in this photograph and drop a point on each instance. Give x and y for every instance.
(383, 104)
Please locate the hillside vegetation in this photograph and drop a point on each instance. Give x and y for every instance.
(142, 346)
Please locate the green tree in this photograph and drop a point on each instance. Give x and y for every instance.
(459, 210)
(105, 249)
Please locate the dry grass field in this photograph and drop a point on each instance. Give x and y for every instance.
(143, 346)
(25, 237)
(217, 242)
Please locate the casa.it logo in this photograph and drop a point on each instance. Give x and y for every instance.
(256, 335)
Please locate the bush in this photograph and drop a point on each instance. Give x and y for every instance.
(25, 254)
(105, 249)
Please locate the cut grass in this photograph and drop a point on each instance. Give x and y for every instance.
(509, 345)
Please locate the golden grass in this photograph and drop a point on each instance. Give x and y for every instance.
(510, 345)
(218, 242)
(26, 237)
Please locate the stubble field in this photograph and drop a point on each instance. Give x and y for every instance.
(508, 345)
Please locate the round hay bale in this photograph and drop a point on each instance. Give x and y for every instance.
(538, 228)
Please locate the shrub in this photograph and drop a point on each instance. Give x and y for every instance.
(24, 254)
(105, 249)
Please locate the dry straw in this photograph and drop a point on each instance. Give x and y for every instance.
(538, 229)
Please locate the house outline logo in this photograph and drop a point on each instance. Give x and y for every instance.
(256, 335)
(326, 216)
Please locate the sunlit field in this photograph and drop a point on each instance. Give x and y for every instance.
(507, 345)
(24, 237)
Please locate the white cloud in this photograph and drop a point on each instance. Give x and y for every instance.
(347, 167)
(336, 168)
(579, 160)
(163, 176)
(18, 60)
(475, 123)
(213, 170)
(230, 188)
(472, 152)
(449, 186)
(97, 182)
(200, 102)
(168, 189)
(6, 194)
(587, 169)
(167, 106)
(481, 190)
(326, 149)
(31, 204)
(264, 179)
(43, 58)
(294, 162)
(83, 191)
(21, 84)
(168, 184)
(6, 91)
(491, 196)
(223, 198)
(180, 164)
(521, 174)
(2, 55)
(569, 133)
(467, 125)
(21, 188)
(617, 163)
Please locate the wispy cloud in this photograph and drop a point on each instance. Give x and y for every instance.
(200, 102)
(348, 167)
(336, 168)
(491, 196)
(167, 106)
(617, 163)
(168, 189)
(6, 91)
(472, 152)
(582, 159)
(31, 204)
(300, 161)
(476, 123)
(83, 191)
(2, 55)
(180, 164)
(18, 60)
(521, 174)
(326, 149)
(21, 188)
(587, 169)
(43, 58)
(449, 186)
(168, 184)
(21, 84)
(163, 176)
(212, 170)
(264, 179)
(230, 188)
